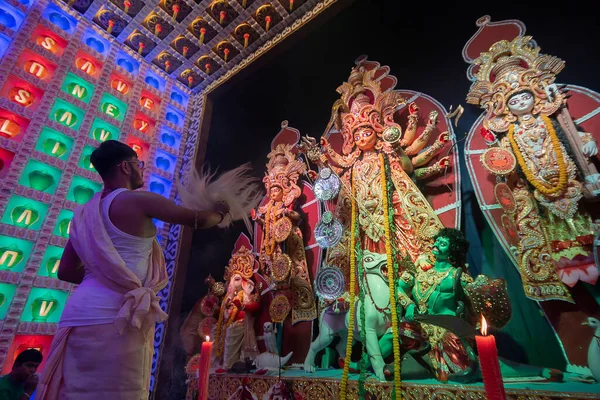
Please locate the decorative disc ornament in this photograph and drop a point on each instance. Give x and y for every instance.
(327, 185)
(279, 308)
(505, 197)
(499, 161)
(330, 283)
(281, 267)
(208, 305)
(510, 229)
(205, 326)
(391, 134)
(282, 229)
(218, 289)
(328, 231)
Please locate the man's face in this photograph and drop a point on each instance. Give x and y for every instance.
(25, 370)
(133, 168)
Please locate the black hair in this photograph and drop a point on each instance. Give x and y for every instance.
(459, 246)
(108, 155)
(29, 355)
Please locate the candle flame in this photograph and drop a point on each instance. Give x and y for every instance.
(484, 326)
(207, 338)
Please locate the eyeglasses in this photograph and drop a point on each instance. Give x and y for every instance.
(141, 164)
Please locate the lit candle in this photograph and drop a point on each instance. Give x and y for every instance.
(204, 369)
(490, 366)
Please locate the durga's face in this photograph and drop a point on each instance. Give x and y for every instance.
(521, 103)
(275, 193)
(365, 138)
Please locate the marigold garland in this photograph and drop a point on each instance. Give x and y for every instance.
(540, 186)
(221, 340)
(391, 280)
(348, 359)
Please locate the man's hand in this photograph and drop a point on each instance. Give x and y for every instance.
(31, 383)
(222, 207)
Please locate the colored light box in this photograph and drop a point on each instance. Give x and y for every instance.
(67, 114)
(14, 253)
(51, 262)
(113, 107)
(6, 158)
(36, 65)
(10, 17)
(48, 40)
(12, 126)
(44, 305)
(170, 138)
(149, 102)
(40, 176)
(78, 88)
(85, 159)
(26, 3)
(159, 185)
(120, 84)
(54, 144)
(21, 343)
(128, 63)
(82, 190)
(22, 92)
(7, 292)
(24, 213)
(154, 80)
(63, 223)
(140, 147)
(179, 97)
(59, 18)
(175, 117)
(144, 124)
(87, 64)
(165, 161)
(4, 43)
(103, 131)
(96, 42)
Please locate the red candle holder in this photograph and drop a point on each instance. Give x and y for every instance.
(490, 365)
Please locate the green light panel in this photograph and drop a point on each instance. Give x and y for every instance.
(84, 160)
(66, 114)
(44, 305)
(63, 223)
(7, 292)
(40, 176)
(78, 88)
(102, 131)
(82, 190)
(14, 253)
(24, 213)
(55, 144)
(50, 262)
(113, 107)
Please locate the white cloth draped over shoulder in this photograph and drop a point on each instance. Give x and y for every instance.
(139, 304)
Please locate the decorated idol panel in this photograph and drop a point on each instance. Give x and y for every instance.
(230, 200)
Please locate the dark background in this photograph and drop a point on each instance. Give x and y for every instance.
(422, 44)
